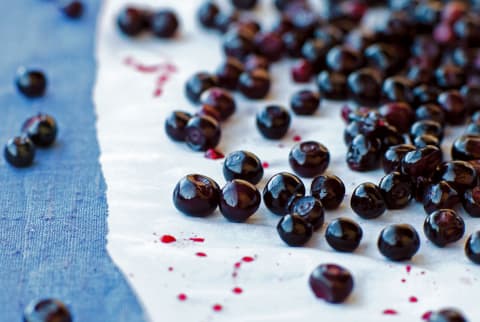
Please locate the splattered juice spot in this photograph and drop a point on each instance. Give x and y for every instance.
(168, 239)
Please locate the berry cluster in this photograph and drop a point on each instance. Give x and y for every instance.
(134, 21)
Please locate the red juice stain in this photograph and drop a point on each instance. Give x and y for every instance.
(201, 254)
(168, 239)
(426, 315)
(213, 154)
(237, 290)
(248, 259)
(423, 272)
(408, 268)
(197, 239)
(297, 138)
(162, 79)
(182, 297)
(237, 265)
(158, 92)
(234, 274)
(170, 269)
(403, 280)
(390, 312)
(217, 307)
(413, 299)
(265, 165)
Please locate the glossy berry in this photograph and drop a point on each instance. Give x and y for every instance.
(398, 89)
(302, 71)
(440, 196)
(309, 159)
(392, 158)
(444, 227)
(449, 77)
(229, 72)
(254, 84)
(175, 125)
(293, 41)
(202, 133)
(310, 209)
(429, 127)
(196, 195)
(398, 242)
(131, 21)
(398, 114)
(243, 165)
(396, 190)
(273, 122)
(421, 162)
(343, 60)
(344, 235)
(305, 102)
(447, 315)
(254, 61)
(329, 189)
(471, 201)
(315, 52)
(244, 4)
(426, 139)
(364, 153)
(367, 201)
(280, 191)
(472, 247)
(384, 57)
(41, 130)
(424, 94)
(431, 112)
(364, 86)
(239, 199)
(331, 283)
(332, 85)
(239, 43)
(19, 152)
(197, 84)
(270, 45)
(461, 175)
(220, 100)
(225, 21)
(48, 310)
(164, 23)
(466, 148)
(453, 105)
(72, 8)
(294, 230)
(31, 83)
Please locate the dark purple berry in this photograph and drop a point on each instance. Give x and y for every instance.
(399, 242)
(396, 190)
(392, 158)
(197, 84)
(305, 102)
(196, 195)
(471, 96)
(280, 191)
(72, 8)
(239, 199)
(332, 85)
(19, 152)
(471, 201)
(202, 133)
(453, 105)
(273, 122)
(460, 175)
(344, 235)
(472, 247)
(229, 72)
(449, 76)
(164, 23)
(424, 94)
(466, 148)
(310, 209)
(175, 125)
(364, 153)
(315, 52)
(131, 21)
(331, 283)
(41, 130)
(440, 196)
(447, 315)
(254, 84)
(225, 21)
(329, 189)
(221, 100)
(430, 112)
(270, 45)
(343, 60)
(364, 86)
(466, 29)
(309, 159)
(244, 4)
(239, 43)
(426, 139)
(293, 42)
(421, 162)
(398, 114)
(444, 227)
(424, 127)
(367, 201)
(398, 89)
(294, 230)
(48, 310)
(384, 57)
(243, 165)
(207, 13)
(31, 83)
(330, 34)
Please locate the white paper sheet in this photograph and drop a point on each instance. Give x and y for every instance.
(142, 166)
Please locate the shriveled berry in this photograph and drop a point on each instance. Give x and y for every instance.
(367, 201)
(243, 165)
(444, 227)
(329, 189)
(280, 190)
(196, 195)
(309, 159)
(399, 242)
(239, 199)
(294, 230)
(331, 283)
(344, 235)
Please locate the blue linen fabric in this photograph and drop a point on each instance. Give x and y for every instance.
(53, 215)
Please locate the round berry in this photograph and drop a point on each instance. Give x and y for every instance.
(440, 196)
(72, 8)
(202, 133)
(220, 100)
(20, 152)
(294, 230)
(243, 165)
(305, 102)
(329, 189)
(207, 13)
(309, 159)
(244, 4)
(197, 84)
(196, 195)
(367, 201)
(164, 23)
(392, 158)
(254, 84)
(447, 315)
(331, 283)
(396, 190)
(444, 227)
(280, 191)
(471, 201)
(131, 21)
(310, 209)
(175, 125)
(31, 83)
(229, 72)
(273, 122)
(399, 242)
(41, 130)
(48, 310)
(472, 247)
(343, 235)
(466, 148)
(239, 199)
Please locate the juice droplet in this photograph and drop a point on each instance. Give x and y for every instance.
(167, 239)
